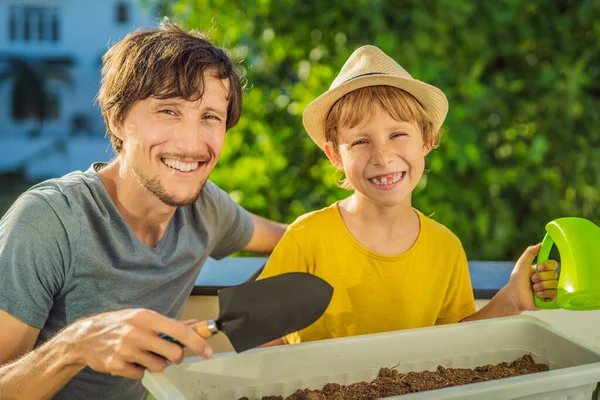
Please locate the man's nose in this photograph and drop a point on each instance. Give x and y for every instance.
(192, 137)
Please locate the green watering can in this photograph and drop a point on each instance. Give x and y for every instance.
(578, 242)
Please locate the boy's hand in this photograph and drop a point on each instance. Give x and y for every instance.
(524, 280)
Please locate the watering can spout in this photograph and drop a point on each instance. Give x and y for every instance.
(578, 243)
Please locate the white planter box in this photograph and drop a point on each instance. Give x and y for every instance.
(574, 366)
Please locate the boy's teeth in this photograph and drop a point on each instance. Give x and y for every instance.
(181, 166)
(388, 180)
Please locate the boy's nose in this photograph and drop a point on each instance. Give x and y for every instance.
(382, 156)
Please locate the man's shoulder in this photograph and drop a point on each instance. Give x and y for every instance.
(46, 210)
(210, 191)
(65, 191)
(213, 207)
(211, 194)
(68, 199)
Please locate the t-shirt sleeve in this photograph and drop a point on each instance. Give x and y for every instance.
(286, 257)
(459, 302)
(234, 224)
(34, 256)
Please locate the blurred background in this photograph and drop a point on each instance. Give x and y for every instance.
(521, 143)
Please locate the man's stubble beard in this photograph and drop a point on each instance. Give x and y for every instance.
(154, 186)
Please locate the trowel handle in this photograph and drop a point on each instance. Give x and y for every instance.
(542, 257)
(205, 329)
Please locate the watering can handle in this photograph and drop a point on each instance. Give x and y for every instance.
(542, 257)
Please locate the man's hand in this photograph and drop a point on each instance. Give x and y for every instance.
(524, 275)
(120, 343)
(126, 342)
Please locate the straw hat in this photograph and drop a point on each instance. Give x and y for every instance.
(369, 66)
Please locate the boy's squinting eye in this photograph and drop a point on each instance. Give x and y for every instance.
(358, 142)
(398, 134)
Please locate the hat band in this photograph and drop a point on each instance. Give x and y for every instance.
(361, 75)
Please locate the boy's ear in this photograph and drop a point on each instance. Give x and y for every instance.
(333, 155)
(427, 147)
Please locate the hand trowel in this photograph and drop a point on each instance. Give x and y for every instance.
(252, 314)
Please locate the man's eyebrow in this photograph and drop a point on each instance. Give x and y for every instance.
(221, 112)
(172, 100)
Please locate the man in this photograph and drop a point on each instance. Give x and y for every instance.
(96, 264)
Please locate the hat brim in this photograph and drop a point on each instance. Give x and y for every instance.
(431, 98)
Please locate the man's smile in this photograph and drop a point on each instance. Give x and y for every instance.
(181, 165)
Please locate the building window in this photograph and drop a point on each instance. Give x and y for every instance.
(12, 25)
(55, 27)
(24, 108)
(20, 110)
(52, 106)
(122, 13)
(27, 26)
(41, 29)
(33, 23)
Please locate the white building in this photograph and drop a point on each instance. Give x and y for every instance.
(69, 36)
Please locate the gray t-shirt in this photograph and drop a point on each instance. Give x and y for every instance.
(66, 254)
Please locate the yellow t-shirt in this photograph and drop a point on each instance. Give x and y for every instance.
(427, 285)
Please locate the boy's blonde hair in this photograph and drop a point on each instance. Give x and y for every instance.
(350, 110)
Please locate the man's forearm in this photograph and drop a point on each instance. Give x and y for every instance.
(41, 373)
(266, 235)
(501, 305)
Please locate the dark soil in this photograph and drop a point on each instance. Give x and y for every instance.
(392, 383)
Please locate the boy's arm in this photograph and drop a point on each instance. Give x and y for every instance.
(517, 295)
(501, 305)
(459, 301)
(276, 342)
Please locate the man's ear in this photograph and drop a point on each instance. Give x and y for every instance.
(333, 155)
(112, 124)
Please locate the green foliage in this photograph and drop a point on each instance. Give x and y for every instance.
(522, 77)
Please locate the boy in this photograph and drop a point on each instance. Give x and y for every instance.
(391, 266)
